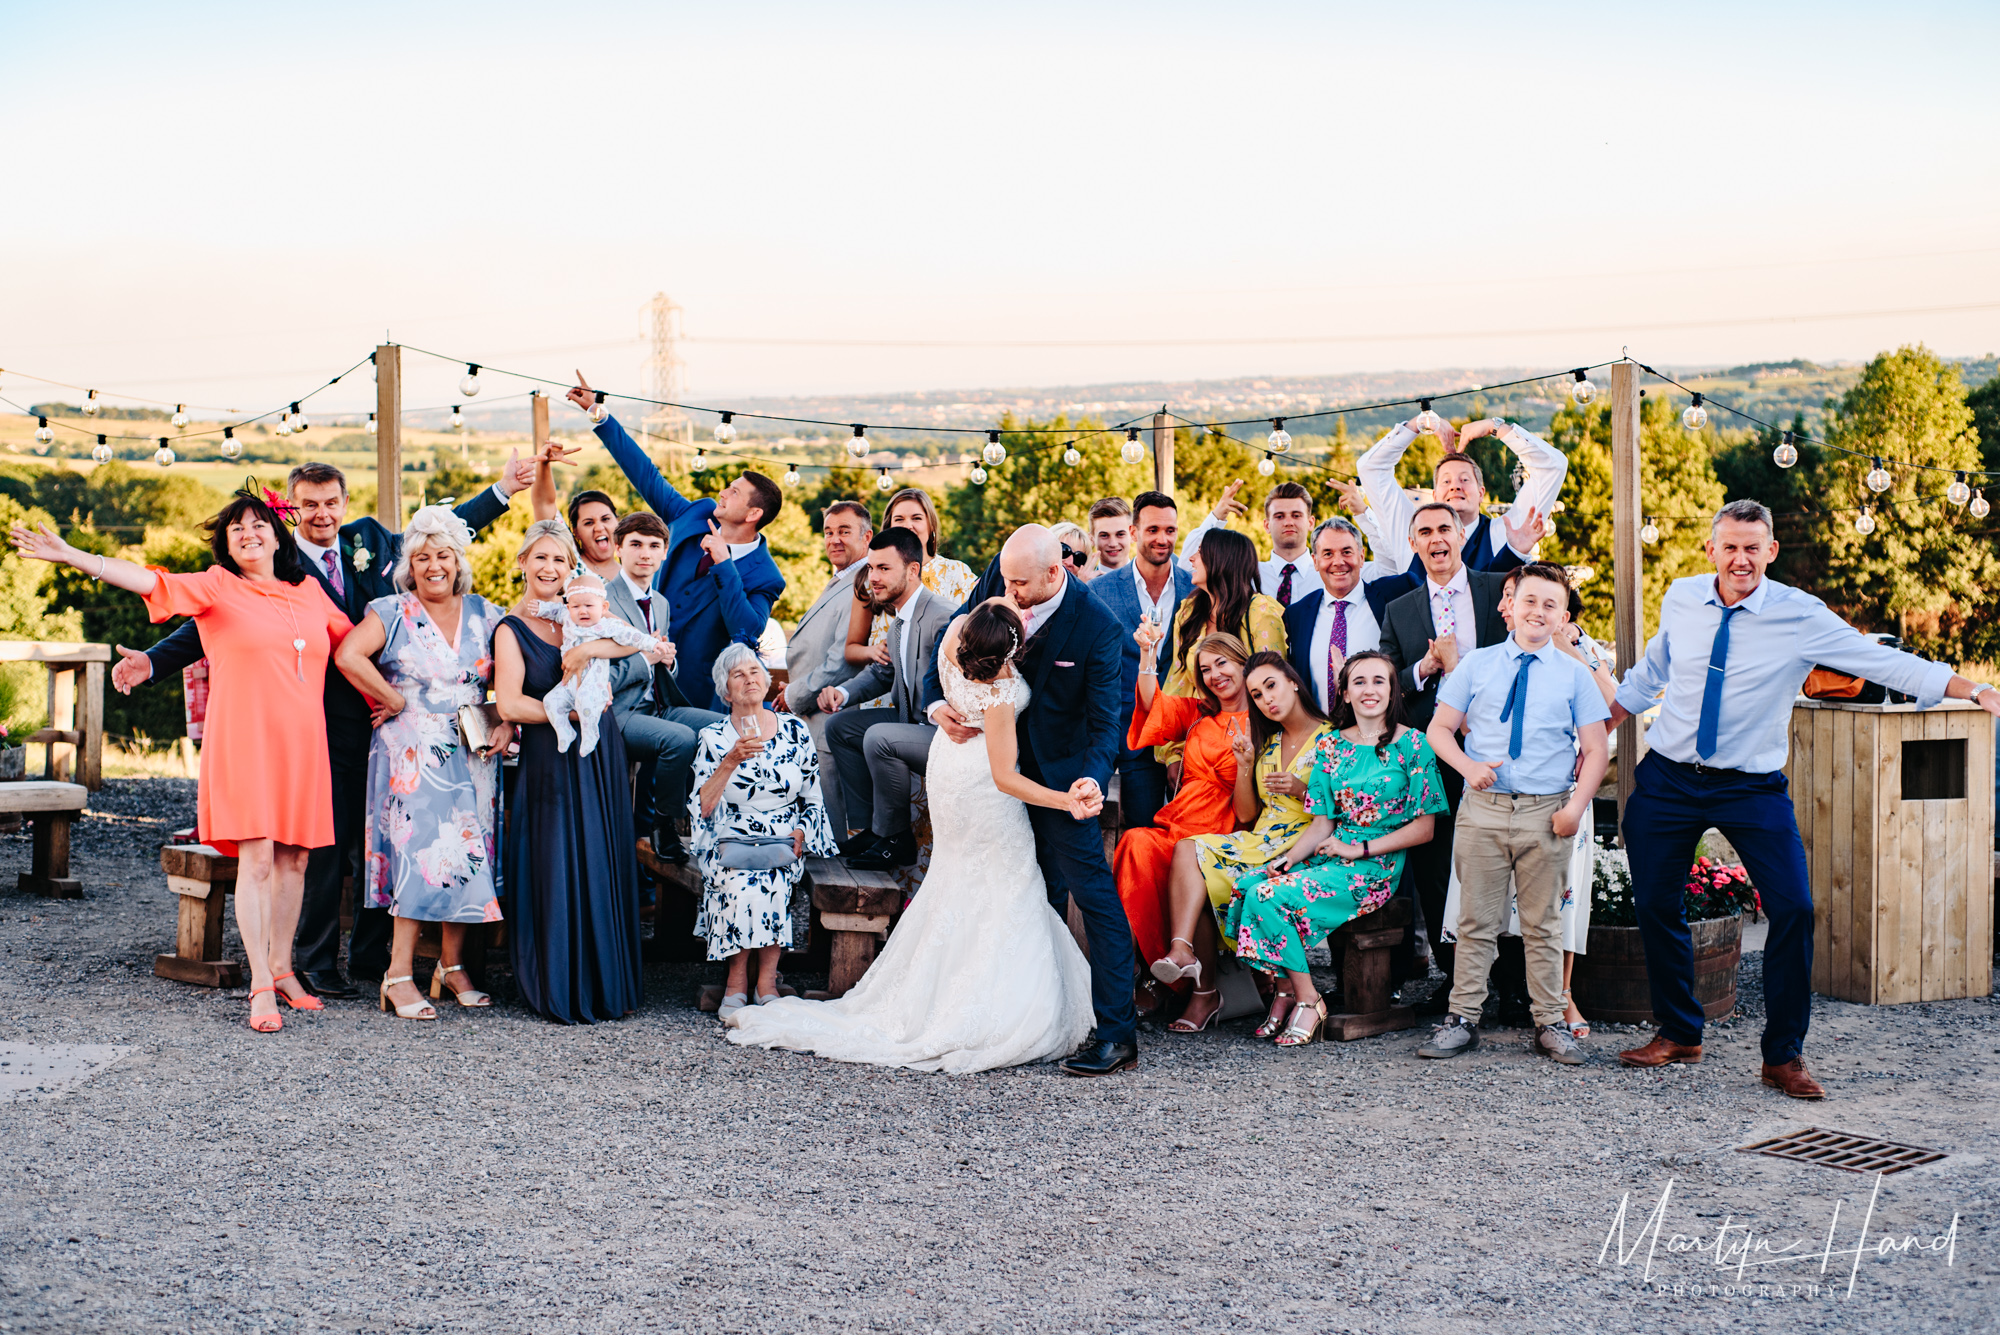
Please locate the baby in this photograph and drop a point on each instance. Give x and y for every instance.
(582, 615)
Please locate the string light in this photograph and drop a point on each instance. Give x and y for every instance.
(284, 426)
(792, 478)
(457, 419)
(1280, 440)
(700, 463)
(44, 436)
(1878, 478)
(598, 412)
(91, 405)
(299, 422)
(977, 477)
(1649, 533)
(1979, 507)
(1695, 417)
(181, 415)
(859, 446)
(469, 386)
(1427, 421)
(995, 453)
(725, 430)
(1582, 391)
(1132, 452)
(164, 456)
(101, 451)
(231, 448)
(369, 425)
(1958, 493)
(1072, 456)
(1864, 523)
(1786, 454)
(1266, 466)
(885, 482)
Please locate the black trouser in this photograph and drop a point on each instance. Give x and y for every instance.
(316, 948)
(1427, 875)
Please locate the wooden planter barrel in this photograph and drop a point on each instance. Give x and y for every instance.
(1609, 983)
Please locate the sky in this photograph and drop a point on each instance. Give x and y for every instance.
(226, 204)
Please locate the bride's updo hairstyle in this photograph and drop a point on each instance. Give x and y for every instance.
(990, 636)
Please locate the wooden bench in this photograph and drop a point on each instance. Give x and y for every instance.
(857, 909)
(201, 879)
(51, 806)
(1361, 948)
(75, 736)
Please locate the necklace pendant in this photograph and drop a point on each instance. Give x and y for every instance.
(298, 646)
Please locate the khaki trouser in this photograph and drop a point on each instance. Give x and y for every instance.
(1499, 836)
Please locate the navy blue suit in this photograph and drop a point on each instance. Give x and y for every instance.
(316, 946)
(1302, 617)
(730, 601)
(1476, 542)
(1142, 780)
(1070, 731)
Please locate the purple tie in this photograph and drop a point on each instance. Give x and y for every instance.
(333, 573)
(1285, 585)
(1336, 651)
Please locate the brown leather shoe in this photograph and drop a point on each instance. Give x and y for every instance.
(1662, 1051)
(1794, 1079)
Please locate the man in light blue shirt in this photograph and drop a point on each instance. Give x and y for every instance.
(1731, 653)
(1529, 711)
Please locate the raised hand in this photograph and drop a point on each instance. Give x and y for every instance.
(1522, 537)
(1240, 747)
(716, 548)
(1485, 426)
(1149, 633)
(1229, 506)
(1352, 498)
(555, 452)
(133, 669)
(40, 543)
(583, 396)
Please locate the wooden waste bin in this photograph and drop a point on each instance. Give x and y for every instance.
(1895, 805)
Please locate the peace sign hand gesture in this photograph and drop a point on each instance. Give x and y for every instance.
(583, 396)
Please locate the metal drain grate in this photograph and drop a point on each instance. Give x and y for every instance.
(1837, 1149)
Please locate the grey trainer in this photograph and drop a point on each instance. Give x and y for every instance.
(1454, 1036)
(1557, 1043)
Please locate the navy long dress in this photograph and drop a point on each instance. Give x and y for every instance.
(570, 870)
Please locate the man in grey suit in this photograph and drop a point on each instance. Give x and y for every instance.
(875, 751)
(815, 656)
(657, 723)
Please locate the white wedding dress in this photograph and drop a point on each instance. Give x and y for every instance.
(980, 971)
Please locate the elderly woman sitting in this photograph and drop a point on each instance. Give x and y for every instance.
(433, 805)
(756, 813)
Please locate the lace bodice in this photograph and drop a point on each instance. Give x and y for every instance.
(974, 698)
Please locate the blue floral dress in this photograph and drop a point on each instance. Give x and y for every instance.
(773, 793)
(1276, 915)
(433, 806)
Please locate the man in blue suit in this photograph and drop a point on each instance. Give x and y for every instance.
(353, 561)
(1071, 660)
(1150, 587)
(718, 576)
(1323, 631)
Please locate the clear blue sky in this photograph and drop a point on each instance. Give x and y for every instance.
(220, 201)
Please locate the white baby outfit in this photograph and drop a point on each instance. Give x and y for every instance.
(591, 695)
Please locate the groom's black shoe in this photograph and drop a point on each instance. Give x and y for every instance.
(328, 983)
(1097, 1057)
(854, 845)
(890, 852)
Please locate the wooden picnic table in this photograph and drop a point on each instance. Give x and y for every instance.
(74, 739)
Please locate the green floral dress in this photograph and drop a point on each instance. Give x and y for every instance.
(1276, 915)
(1226, 858)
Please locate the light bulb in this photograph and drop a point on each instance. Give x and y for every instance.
(1280, 440)
(885, 482)
(91, 405)
(231, 447)
(1582, 391)
(1132, 452)
(700, 461)
(469, 386)
(995, 453)
(369, 426)
(181, 415)
(164, 456)
(101, 451)
(792, 476)
(1426, 421)
(1878, 478)
(1266, 466)
(977, 477)
(457, 419)
(1072, 456)
(299, 422)
(858, 446)
(1649, 533)
(1958, 493)
(1864, 523)
(1786, 454)
(1979, 507)
(284, 426)
(1694, 417)
(725, 430)
(44, 436)
(598, 412)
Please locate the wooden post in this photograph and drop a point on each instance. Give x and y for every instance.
(1163, 452)
(90, 722)
(389, 436)
(1628, 618)
(56, 760)
(538, 424)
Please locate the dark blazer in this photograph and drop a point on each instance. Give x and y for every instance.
(1302, 618)
(1407, 631)
(930, 617)
(730, 601)
(1118, 590)
(359, 588)
(1073, 665)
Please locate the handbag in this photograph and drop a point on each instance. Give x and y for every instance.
(755, 852)
(1825, 683)
(477, 724)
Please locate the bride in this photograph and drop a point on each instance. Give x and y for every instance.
(980, 972)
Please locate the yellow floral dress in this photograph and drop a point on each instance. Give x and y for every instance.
(951, 580)
(1266, 624)
(1226, 858)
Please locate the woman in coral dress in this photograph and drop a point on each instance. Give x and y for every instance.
(266, 783)
(1206, 801)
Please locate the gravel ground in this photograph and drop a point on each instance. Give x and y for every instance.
(493, 1173)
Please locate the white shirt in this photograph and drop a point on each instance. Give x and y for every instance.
(1393, 509)
(1458, 589)
(315, 556)
(1271, 573)
(739, 550)
(1363, 632)
(1034, 618)
(1160, 609)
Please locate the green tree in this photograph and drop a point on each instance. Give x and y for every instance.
(26, 614)
(1985, 405)
(1034, 485)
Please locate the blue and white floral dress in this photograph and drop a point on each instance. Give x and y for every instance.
(773, 793)
(433, 806)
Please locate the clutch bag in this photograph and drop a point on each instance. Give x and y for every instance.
(755, 852)
(477, 724)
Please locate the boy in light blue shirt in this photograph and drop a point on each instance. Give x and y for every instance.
(1528, 711)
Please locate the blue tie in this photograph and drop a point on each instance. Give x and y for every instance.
(1516, 707)
(1711, 691)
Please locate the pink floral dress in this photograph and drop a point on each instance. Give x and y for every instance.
(433, 806)
(1276, 915)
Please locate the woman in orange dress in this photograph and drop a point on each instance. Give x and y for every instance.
(266, 783)
(1205, 803)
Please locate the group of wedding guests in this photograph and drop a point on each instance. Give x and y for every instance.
(1396, 702)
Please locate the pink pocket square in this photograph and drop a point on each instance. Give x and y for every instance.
(1060, 663)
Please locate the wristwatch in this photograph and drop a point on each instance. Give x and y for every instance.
(1982, 686)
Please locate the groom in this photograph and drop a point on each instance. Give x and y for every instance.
(1073, 659)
